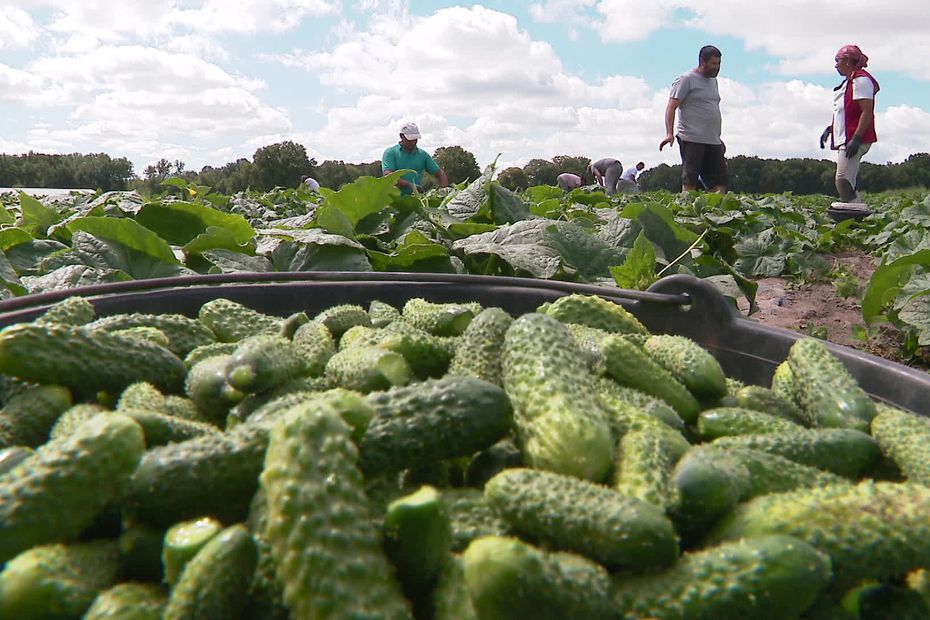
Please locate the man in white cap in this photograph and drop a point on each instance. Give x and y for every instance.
(406, 155)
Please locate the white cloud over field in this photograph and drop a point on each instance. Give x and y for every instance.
(183, 79)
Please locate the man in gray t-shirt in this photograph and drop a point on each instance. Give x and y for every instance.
(695, 97)
(607, 173)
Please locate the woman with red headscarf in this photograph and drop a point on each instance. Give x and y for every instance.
(852, 131)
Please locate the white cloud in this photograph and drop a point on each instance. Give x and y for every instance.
(17, 29)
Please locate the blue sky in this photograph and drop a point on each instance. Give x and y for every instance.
(209, 81)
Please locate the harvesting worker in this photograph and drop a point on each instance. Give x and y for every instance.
(852, 131)
(407, 155)
(568, 181)
(607, 172)
(312, 184)
(695, 97)
(629, 180)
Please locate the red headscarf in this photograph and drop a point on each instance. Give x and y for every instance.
(855, 56)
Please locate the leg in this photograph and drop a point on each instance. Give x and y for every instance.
(847, 170)
(612, 177)
(691, 155)
(714, 169)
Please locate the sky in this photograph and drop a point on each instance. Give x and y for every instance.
(207, 82)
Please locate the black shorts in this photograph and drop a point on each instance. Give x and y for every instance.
(706, 160)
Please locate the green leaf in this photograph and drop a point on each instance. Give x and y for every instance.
(472, 202)
(762, 255)
(590, 256)
(359, 199)
(13, 236)
(887, 281)
(37, 218)
(522, 245)
(659, 224)
(506, 207)
(123, 233)
(335, 221)
(9, 278)
(638, 271)
(291, 256)
(27, 257)
(414, 249)
(230, 261)
(179, 223)
(73, 276)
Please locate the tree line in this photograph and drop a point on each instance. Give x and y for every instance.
(284, 164)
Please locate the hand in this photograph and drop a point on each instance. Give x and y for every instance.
(852, 147)
(825, 136)
(669, 140)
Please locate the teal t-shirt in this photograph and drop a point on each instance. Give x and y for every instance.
(396, 158)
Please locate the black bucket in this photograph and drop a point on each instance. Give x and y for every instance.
(747, 350)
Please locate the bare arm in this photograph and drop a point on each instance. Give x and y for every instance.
(443, 178)
(670, 122)
(402, 183)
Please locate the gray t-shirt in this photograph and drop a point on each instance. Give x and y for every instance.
(699, 113)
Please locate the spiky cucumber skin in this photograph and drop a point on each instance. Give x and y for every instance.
(381, 313)
(439, 319)
(320, 527)
(27, 417)
(210, 475)
(184, 333)
(828, 395)
(209, 389)
(316, 344)
(182, 541)
(624, 413)
(86, 361)
(209, 350)
(471, 516)
(129, 601)
(57, 581)
(73, 310)
(262, 362)
(726, 421)
(873, 530)
(576, 515)
(561, 426)
(367, 369)
(766, 578)
(231, 321)
(595, 311)
(843, 451)
(58, 491)
(417, 539)
(426, 422)
(160, 428)
(509, 579)
(478, 353)
(215, 582)
(769, 401)
(450, 598)
(690, 363)
(645, 463)
(338, 319)
(632, 366)
(904, 437)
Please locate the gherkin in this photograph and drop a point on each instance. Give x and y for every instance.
(873, 530)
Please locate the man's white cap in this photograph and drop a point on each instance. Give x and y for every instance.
(410, 131)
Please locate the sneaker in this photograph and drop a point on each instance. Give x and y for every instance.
(850, 206)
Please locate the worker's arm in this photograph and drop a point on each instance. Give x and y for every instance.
(670, 122)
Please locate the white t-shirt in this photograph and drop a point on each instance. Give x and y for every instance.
(863, 88)
(630, 174)
(312, 184)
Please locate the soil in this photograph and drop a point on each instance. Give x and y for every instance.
(816, 308)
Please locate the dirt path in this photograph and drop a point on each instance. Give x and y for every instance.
(818, 310)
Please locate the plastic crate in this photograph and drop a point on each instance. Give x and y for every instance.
(746, 349)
